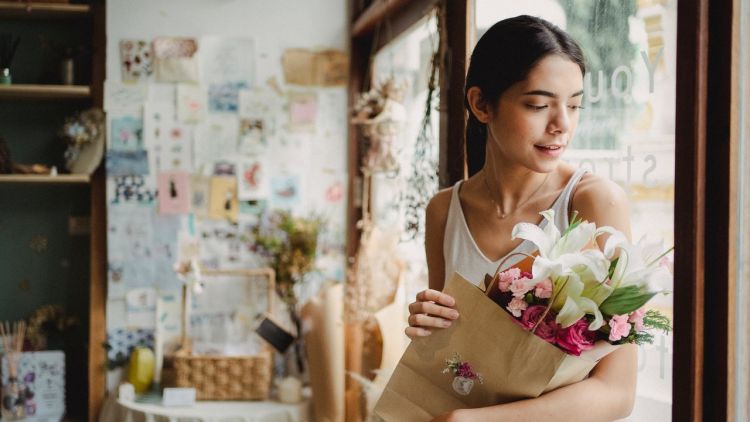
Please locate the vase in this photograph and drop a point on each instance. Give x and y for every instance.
(13, 401)
(463, 385)
(5, 78)
(66, 71)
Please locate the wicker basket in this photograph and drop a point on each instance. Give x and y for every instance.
(223, 377)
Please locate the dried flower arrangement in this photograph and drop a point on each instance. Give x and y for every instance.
(83, 132)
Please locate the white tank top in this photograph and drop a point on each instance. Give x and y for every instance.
(461, 252)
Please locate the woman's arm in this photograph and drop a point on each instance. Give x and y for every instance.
(609, 393)
(432, 308)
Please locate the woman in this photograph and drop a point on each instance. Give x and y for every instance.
(524, 90)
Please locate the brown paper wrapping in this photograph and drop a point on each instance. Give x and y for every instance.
(324, 344)
(514, 363)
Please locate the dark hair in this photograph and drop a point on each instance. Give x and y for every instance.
(503, 56)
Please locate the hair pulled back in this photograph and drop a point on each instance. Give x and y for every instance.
(505, 55)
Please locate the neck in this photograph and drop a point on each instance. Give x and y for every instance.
(511, 184)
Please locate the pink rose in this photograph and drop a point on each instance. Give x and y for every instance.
(543, 289)
(619, 327)
(519, 287)
(576, 338)
(507, 277)
(516, 306)
(637, 319)
(547, 329)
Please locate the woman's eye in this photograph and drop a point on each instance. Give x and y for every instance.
(536, 107)
(576, 107)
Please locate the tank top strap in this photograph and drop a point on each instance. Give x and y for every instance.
(562, 204)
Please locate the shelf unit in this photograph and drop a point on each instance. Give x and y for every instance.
(84, 194)
(44, 92)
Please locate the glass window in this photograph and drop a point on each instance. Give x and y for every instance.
(626, 131)
(407, 60)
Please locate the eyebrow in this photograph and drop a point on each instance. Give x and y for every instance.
(549, 94)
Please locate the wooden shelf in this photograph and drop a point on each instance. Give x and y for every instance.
(34, 10)
(42, 179)
(44, 92)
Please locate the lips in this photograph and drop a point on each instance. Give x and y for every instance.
(551, 147)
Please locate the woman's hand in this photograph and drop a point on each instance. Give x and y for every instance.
(432, 309)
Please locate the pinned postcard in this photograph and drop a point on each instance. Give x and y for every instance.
(215, 138)
(224, 168)
(175, 59)
(131, 189)
(223, 204)
(308, 68)
(254, 207)
(259, 103)
(127, 163)
(227, 60)
(285, 192)
(252, 140)
(141, 308)
(253, 182)
(303, 110)
(191, 103)
(200, 190)
(126, 133)
(165, 229)
(135, 60)
(223, 97)
(169, 142)
(174, 193)
(124, 97)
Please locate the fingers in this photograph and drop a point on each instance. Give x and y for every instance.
(433, 309)
(416, 332)
(431, 295)
(426, 321)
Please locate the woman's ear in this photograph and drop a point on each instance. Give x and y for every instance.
(478, 106)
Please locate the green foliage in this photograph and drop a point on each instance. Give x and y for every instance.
(656, 320)
(625, 300)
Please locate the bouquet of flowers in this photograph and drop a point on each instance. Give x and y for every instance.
(538, 325)
(575, 296)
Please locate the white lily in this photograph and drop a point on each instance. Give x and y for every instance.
(638, 264)
(577, 274)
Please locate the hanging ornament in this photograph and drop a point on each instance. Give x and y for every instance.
(380, 114)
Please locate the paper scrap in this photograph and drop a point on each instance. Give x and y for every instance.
(308, 68)
(223, 204)
(135, 60)
(174, 193)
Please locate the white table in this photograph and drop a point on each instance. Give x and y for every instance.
(209, 411)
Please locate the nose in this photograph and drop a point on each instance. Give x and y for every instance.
(559, 122)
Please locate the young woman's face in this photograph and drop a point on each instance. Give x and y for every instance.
(535, 119)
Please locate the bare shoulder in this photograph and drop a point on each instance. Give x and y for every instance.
(603, 202)
(437, 208)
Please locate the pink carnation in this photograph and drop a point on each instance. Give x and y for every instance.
(516, 306)
(543, 289)
(619, 327)
(637, 319)
(576, 338)
(507, 277)
(519, 287)
(547, 329)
